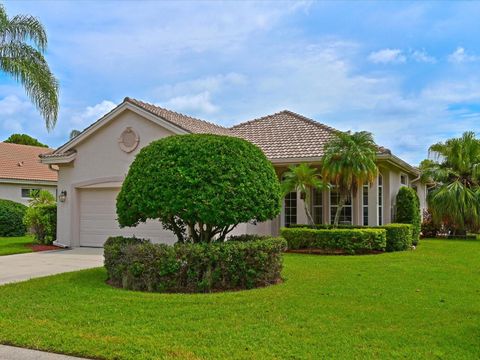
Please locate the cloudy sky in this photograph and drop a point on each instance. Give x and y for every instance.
(406, 71)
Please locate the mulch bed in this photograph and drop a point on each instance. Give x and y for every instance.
(332, 252)
(38, 247)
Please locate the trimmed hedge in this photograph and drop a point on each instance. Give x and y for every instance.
(399, 236)
(11, 218)
(408, 211)
(41, 219)
(350, 240)
(137, 264)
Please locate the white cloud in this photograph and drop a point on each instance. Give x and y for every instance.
(460, 55)
(12, 126)
(92, 113)
(12, 104)
(194, 103)
(422, 56)
(386, 56)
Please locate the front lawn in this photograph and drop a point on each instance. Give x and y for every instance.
(15, 245)
(415, 304)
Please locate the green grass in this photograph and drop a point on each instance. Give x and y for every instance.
(411, 305)
(15, 245)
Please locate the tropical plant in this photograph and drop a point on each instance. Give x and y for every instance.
(23, 41)
(302, 178)
(40, 196)
(453, 168)
(74, 133)
(349, 161)
(206, 184)
(24, 139)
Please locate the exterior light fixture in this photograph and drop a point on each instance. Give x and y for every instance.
(63, 196)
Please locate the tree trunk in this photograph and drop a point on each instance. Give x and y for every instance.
(341, 202)
(309, 215)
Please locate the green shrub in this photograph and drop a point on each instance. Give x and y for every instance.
(41, 220)
(247, 237)
(137, 264)
(327, 226)
(399, 236)
(349, 240)
(216, 181)
(11, 218)
(408, 211)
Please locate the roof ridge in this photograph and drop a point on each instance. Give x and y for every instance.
(297, 115)
(24, 145)
(132, 100)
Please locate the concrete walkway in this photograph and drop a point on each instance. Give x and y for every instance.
(20, 267)
(15, 353)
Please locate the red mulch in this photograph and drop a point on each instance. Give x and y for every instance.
(38, 247)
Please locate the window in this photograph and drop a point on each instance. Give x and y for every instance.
(290, 209)
(403, 179)
(365, 204)
(26, 193)
(346, 214)
(380, 199)
(317, 206)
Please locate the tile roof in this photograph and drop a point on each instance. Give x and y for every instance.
(21, 162)
(286, 135)
(187, 123)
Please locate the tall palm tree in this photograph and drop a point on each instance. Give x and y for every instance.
(23, 42)
(302, 178)
(454, 169)
(349, 161)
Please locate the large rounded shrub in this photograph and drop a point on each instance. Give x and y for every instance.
(11, 218)
(408, 211)
(200, 185)
(136, 264)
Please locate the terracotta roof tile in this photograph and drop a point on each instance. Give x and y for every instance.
(187, 123)
(21, 162)
(286, 135)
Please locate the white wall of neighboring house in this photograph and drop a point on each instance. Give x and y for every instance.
(13, 191)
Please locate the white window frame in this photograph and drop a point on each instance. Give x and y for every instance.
(380, 199)
(365, 206)
(317, 208)
(330, 206)
(294, 214)
(406, 178)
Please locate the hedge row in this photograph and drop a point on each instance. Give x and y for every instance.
(350, 240)
(140, 265)
(11, 218)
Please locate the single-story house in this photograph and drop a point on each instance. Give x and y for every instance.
(21, 171)
(93, 165)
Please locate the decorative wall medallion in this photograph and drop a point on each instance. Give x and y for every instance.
(128, 140)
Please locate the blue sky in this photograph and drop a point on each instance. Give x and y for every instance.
(406, 71)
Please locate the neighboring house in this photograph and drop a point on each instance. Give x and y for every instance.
(21, 171)
(93, 165)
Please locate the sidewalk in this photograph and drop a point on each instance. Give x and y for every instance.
(15, 353)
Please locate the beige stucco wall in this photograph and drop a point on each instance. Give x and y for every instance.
(99, 159)
(13, 192)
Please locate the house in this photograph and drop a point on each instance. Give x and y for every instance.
(21, 171)
(93, 165)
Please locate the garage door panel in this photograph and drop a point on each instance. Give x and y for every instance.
(98, 220)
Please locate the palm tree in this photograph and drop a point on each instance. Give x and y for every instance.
(23, 42)
(349, 161)
(41, 197)
(302, 178)
(454, 170)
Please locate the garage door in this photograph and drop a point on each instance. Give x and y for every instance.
(98, 220)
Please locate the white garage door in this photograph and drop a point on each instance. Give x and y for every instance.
(98, 220)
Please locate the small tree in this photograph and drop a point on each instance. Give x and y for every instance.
(349, 161)
(302, 178)
(408, 210)
(41, 216)
(24, 139)
(203, 184)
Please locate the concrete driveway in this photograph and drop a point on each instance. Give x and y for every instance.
(20, 267)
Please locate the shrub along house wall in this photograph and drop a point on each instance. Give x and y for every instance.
(398, 237)
(11, 218)
(140, 265)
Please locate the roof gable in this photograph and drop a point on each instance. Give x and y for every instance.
(21, 162)
(286, 135)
